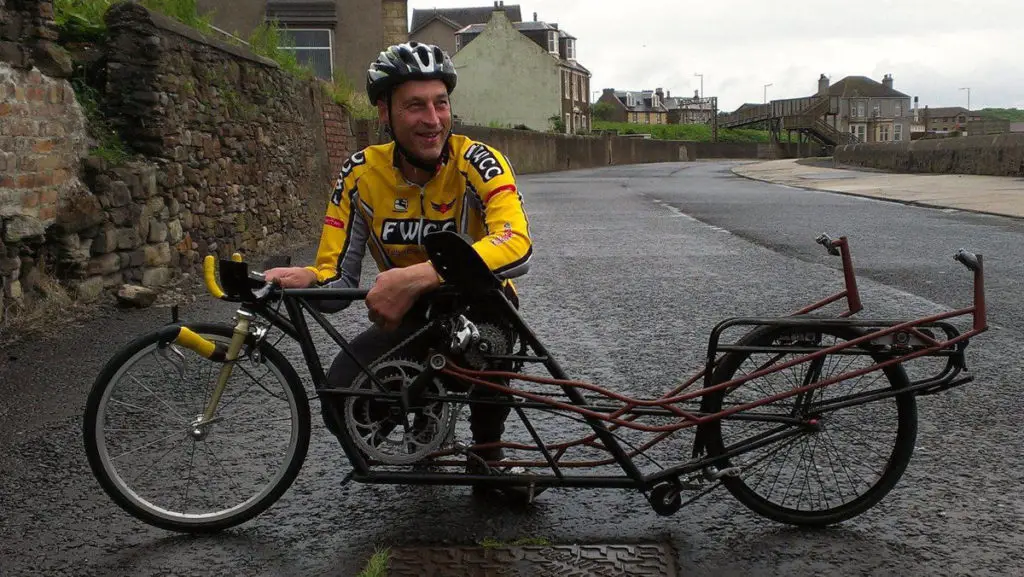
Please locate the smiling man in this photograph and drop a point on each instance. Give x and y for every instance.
(389, 197)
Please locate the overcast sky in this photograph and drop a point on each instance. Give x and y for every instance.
(931, 47)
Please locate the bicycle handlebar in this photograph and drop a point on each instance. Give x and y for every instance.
(829, 244)
(210, 276)
(968, 259)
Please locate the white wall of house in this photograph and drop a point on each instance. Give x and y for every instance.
(506, 78)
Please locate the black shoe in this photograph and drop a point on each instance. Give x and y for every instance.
(518, 493)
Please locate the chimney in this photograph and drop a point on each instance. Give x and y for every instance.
(668, 94)
(696, 94)
(916, 114)
(534, 16)
(823, 85)
(887, 81)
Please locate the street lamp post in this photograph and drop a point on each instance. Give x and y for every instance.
(701, 84)
(766, 92)
(968, 89)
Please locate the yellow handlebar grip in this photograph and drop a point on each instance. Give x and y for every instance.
(189, 339)
(236, 257)
(210, 276)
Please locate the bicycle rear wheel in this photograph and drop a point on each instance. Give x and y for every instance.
(155, 464)
(844, 460)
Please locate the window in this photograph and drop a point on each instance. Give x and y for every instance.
(570, 49)
(883, 133)
(568, 123)
(861, 105)
(566, 79)
(897, 110)
(575, 86)
(312, 48)
(458, 42)
(553, 42)
(860, 131)
(897, 132)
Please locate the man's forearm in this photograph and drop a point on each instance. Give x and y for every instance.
(424, 277)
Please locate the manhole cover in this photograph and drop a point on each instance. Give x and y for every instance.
(648, 560)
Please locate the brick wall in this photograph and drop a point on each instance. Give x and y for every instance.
(42, 138)
(340, 140)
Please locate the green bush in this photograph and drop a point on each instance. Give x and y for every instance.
(82, 20)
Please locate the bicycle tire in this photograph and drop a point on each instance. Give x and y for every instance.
(899, 458)
(134, 504)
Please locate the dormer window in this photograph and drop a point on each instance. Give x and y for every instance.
(570, 49)
(553, 41)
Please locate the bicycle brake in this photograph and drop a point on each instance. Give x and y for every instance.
(178, 361)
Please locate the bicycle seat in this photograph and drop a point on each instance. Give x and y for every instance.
(458, 263)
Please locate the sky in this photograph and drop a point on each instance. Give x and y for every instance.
(932, 48)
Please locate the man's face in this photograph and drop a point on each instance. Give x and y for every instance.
(420, 117)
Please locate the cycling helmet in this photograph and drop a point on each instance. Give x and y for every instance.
(408, 61)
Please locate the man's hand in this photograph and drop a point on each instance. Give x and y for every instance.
(396, 290)
(291, 277)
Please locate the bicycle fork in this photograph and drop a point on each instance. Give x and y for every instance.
(216, 352)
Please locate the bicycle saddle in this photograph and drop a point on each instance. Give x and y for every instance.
(458, 263)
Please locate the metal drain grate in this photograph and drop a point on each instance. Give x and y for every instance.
(647, 560)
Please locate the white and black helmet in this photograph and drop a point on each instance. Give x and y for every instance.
(408, 61)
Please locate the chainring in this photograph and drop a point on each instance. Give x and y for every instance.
(383, 432)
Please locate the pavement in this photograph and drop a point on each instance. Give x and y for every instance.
(999, 195)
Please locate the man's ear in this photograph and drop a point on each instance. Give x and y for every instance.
(382, 112)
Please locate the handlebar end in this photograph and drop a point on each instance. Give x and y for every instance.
(829, 244)
(968, 259)
(210, 276)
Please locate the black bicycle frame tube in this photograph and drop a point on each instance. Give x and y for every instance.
(611, 444)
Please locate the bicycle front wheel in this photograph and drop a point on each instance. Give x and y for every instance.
(149, 455)
(846, 451)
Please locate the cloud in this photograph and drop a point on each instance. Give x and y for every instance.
(932, 48)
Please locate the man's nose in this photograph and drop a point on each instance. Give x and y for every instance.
(432, 117)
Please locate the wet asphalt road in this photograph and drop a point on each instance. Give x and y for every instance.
(634, 266)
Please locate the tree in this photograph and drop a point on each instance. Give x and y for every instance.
(603, 111)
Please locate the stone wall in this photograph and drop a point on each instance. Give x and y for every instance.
(394, 17)
(534, 151)
(994, 155)
(236, 144)
(227, 152)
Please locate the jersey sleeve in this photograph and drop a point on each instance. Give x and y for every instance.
(343, 238)
(507, 248)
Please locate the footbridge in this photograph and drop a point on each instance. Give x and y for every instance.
(805, 116)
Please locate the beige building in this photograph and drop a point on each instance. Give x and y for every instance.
(872, 111)
(440, 25)
(520, 74)
(334, 37)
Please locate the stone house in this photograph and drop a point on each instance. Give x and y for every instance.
(690, 109)
(870, 110)
(335, 37)
(643, 107)
(520, 73)
(440, 26)
(946, 119)
(658, 106)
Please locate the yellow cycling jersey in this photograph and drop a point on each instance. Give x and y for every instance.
(473, 192)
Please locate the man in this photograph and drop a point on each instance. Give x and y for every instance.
(388, 197)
